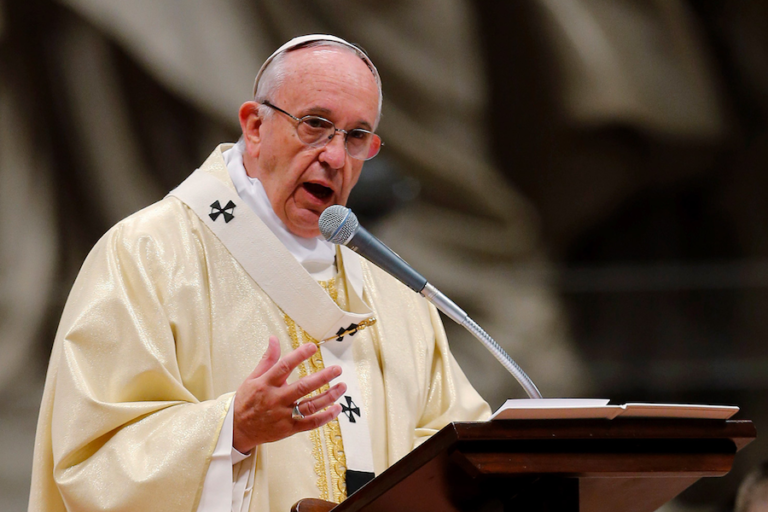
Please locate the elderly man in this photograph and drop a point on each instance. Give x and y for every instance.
(167, 390)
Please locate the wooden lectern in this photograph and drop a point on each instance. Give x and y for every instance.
(628, 465)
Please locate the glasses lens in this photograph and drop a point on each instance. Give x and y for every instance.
(315, 130)
(358, 142)
(363, 144)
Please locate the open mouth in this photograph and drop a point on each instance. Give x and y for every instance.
(317, 190)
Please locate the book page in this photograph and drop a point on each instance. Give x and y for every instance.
(596, 408)
(556, 408)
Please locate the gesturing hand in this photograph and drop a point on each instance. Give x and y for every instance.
(264, 401)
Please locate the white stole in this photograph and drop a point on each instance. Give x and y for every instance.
(295, 292)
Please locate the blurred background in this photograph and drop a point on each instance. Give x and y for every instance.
(585, 177)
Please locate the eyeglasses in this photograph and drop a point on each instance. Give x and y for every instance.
(317, 132)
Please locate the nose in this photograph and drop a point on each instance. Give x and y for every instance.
(335, 153)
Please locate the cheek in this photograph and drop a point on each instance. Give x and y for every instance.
(269, 176)
(352, 179)
(274, 183)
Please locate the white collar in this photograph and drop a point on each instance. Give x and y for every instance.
(316, 255)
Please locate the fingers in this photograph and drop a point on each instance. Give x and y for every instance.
(310, 406)
(268, 360)
(310, 383)
(264, 402)
(278, 373)
(318, 420)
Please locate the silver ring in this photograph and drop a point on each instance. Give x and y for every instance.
(296, 414)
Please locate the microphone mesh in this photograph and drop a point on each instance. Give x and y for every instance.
(338, 224)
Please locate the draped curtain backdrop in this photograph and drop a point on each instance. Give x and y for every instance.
(546, 163)
(117, 73)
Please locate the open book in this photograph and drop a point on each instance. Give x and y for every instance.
(561, 408)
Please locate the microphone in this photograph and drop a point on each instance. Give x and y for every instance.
(340, 226)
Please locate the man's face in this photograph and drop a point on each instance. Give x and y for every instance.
(302, 181)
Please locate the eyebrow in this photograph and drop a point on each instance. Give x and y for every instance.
(324, 112)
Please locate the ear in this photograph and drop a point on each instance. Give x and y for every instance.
(250, 123)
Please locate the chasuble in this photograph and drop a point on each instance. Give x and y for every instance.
(162, 326)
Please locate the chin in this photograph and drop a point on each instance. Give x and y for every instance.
(304, 230)
(307, 234)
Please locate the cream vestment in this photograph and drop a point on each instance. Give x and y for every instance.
(161, 327)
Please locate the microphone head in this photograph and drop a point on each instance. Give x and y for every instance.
(338, 224)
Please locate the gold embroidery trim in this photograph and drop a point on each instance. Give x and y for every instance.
(334, 444)
(330, 287)
(314, 435)
(332, 430)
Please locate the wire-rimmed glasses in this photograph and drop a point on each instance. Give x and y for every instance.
(317, 131)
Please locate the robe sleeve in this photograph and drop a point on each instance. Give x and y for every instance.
(130, 429)
(450, 396)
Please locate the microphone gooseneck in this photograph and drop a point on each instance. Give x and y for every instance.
(340, 226)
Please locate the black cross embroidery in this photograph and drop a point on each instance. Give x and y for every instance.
(350, 409)
(346, 330)
(217, 210)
